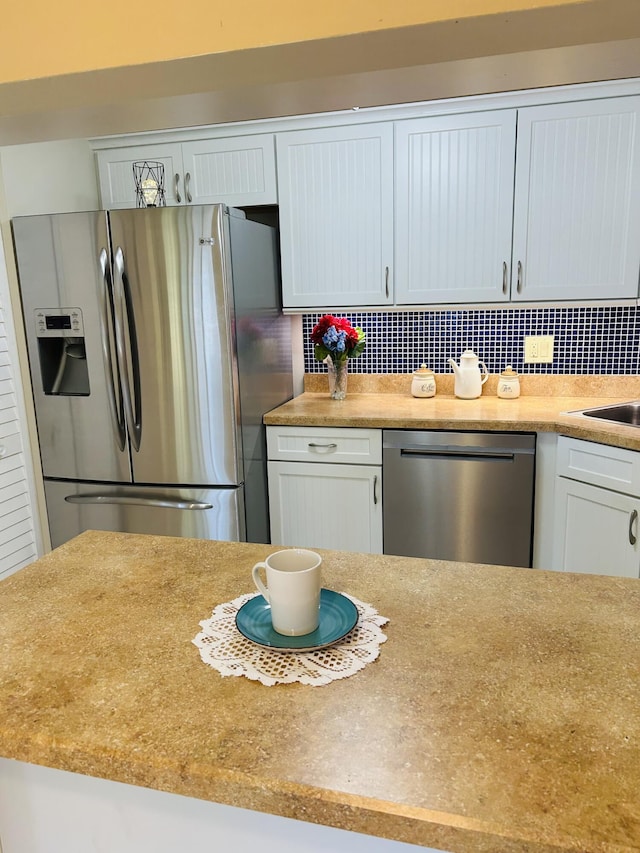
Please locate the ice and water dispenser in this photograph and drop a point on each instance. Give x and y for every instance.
(62, 352)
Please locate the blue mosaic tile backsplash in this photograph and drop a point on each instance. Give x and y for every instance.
(588, 340)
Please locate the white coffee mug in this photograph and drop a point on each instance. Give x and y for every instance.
(292, 590)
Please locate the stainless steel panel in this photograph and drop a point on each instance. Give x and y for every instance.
(459, 496)
(177, 314)
(264, 356)
(75, 507)
(59, 266)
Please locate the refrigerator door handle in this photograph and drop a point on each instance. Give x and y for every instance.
(124, 317)
(167, 503)
(114, 390)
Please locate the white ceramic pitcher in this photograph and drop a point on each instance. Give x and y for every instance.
(468, 377)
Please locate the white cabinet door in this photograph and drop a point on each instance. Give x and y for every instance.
(453, 202)
(596, 530)
(115, 173)
(318, 505)
(335, 188)
(237, 171)
(577, 201)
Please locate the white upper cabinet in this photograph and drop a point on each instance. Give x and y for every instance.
(335, 188)
(577, 201)
(518, 201)
(453, 202)
(115, 173)
(238, 171)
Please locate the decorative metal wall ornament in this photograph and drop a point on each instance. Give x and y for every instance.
(149, 180)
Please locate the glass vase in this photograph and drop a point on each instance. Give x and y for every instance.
(338, 373)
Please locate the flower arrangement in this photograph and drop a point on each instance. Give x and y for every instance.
(337, 339)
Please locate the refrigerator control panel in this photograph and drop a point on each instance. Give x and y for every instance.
(58, 322)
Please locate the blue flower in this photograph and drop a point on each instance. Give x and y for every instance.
(334, 340)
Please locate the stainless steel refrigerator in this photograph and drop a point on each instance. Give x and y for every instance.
(156, 344)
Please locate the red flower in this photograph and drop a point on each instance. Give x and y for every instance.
(351, 340)
(341, 324)
(320, 329)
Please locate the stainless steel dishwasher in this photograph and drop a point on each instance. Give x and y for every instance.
(465, 496)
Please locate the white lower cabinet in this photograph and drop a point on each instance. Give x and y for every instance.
(597, 500)
(325, 488)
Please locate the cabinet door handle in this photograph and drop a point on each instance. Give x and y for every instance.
(505, 282)
(187, 191)
(176, 187)
(375, 489)
(633, 518)
(386, 281)
(331, 446)
(519, 279)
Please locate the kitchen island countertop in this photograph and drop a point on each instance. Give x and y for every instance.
(502, 713)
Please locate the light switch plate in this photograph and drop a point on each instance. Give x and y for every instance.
(538, 349)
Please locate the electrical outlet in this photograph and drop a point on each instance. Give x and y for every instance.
(538, 349)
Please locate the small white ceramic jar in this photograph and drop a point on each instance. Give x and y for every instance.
(423, 383)
(508, 384)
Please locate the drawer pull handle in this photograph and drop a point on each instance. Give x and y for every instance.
(331, 446)
(505, 279)
(633, 518)
(375, 489)
(519, 279)
(176, 187)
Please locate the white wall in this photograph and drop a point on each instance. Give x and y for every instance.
(48, 177)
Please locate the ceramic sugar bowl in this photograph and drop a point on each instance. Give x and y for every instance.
(508, 384)
(423, 383)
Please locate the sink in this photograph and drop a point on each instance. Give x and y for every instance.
(622, 413)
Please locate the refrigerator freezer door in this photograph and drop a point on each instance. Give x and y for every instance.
(173, 288)
(197, 513)
(66, 300)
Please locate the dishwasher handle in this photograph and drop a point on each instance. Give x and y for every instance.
(463, 453)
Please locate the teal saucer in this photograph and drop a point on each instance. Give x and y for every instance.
(338, 616)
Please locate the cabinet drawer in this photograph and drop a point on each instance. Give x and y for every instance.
(612, 468)
(324, 444)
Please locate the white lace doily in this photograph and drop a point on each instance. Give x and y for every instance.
(224, 648)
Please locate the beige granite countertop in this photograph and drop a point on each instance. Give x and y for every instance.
(544, 406)
(502, 714)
